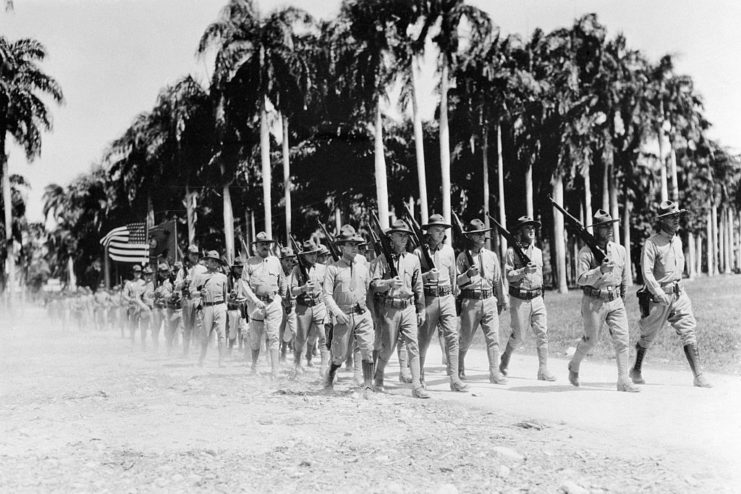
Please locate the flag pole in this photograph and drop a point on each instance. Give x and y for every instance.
(106, 267)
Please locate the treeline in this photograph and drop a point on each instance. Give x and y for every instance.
(295, 125)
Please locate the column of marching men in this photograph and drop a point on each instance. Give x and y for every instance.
(360, 306)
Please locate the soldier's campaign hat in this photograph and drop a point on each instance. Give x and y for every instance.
(669, 208)
(177, 266)
(237, 263)
(399, 226)
(192, 249)
(212, 254)
(602, 218)
(348, 235)
(309, 247)
(524, 221)
(147, 270)
(323, 250)
(286, 252)
(263, 237)
(435, 220)
(163, 266)
(476, 226)
(136, 268)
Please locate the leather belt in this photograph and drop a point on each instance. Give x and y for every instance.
(673, 287)
(355, 309)
(265, 298)
(308, 301)
(477, 294)
(525, 294)
(608, 294)
(397, 303)
(437, 291)
(209, 304)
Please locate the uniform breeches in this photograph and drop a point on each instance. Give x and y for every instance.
(528, 313)
(287, 325)
(233, 323)
(392, 324)
(361, 328)
(172, 324)
(439, 311)
(483, 313)
(265, 323)
(678, 313)
(595, 314)
(309, 322)
(159, 316)
(214, 319)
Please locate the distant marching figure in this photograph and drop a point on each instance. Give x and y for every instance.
(527, 307)
(212, 286)
(131, 296)
(662, 265)
(604, 286)
(184, 283)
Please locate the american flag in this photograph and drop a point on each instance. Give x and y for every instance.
(128, 243)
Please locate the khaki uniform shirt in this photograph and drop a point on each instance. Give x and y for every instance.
(514, 268)
(489, 277)
(662, 261)
(264, 277)
(588, 271)
(133, 290)
(408, 268)
(162, 293)
(345, 285)
(181, 278)
(214, 284)
(444, 259)
(316, 274)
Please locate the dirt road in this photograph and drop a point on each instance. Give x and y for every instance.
(81, 411)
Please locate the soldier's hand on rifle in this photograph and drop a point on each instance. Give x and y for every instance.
(663, 299)
(472, 272)
(531, 268)
(260, 305)
(396, 282)
(433, 274)
(309, 286)
(607, 266)
(342, 318)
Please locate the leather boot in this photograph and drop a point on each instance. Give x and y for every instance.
(367, 374)
(358, 371)
(494, 376)
(624, 383)
(283, 351)
(543, 373)
(378, 376)
(324, 356)
(443, 351)
(573, 374)
(404, 374)
(504, 360)
(329, 380)
(274, 362)
(298, 367)
(455, 381)
(693, 357)
(635, 372)
(461, 365)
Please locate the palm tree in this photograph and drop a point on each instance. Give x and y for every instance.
(23, 114)
(449, 14)
(257, 52)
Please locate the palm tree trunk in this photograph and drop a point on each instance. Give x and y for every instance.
(7, 205)
(150, 211)
(716, 239)
(606, 187)
(419, 145)
(485, 174)
(265, 162)
(738, 247)
(662, 167)
(445, 143)
(698, 260)
(614, 210)
(558, 237)
(228, 216)
(673, 172)
(500, 191)
(382, 195)
(692, 255)
(287, 179)
(190, 214)
(587, 197)
(626, 235)
(711, 243)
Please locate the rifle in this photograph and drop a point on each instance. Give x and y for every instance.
(458, 227)
(417, 237)
(375, 242)
(385, 245)
(303, 270)
(330, 240)
(511, 240)
(587, 238)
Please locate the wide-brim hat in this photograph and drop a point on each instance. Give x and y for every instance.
(136, 268)
(399, 226)
(212, 254)
(602, 218)
(524, 221)
(264, 238)
(192, 249)
(436, 220)
(348, 235)
(147, 270)
(237, 264)
(323, 250)
(309, 247)
(669, 208)
(476, 226)
(286, 252)
(163, 266)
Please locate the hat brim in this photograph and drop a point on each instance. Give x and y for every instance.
(428, 225)
(398, 230)
(307, 252)
(484, 230)
(534, 223)
(603, 223)
(266, 241)
(351, 240)
(205, 258)
(673, 213)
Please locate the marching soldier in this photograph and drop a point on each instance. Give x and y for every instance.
(212, 287)
(662, 264)
(161, 294)
(346, 282)
(402, 309)
(265, 285)
(174, 313)
(287, 330)
(526, 296)
(184, 283)
(102, 307)
(131, 296)
(147, 298)
(439, 289)
(604, 288)
(234, 320)
(482, 298)
(310, 309)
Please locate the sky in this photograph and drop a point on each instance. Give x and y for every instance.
(112, 57)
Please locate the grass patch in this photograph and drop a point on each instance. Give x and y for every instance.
(717, 305)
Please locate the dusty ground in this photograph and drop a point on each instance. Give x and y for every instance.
(81, 411)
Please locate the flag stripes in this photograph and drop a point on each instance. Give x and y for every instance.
(128, 243)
